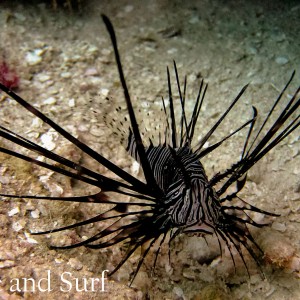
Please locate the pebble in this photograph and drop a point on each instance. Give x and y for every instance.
(294, 265)
(58, 260)
(36, 123)
(281, 60)
(47, 141)
(278, 250)
(6, 255)
(279, 226)
(296, 171)
(189, 275)
(65, 74)
(35, 214)
(43, 77)
(135, 168)
(172, 51)
(104, 92)
(251, 50)
(91, 72)
(49, 101)
(55, 189)
(75, 264)
(29, 206)
(6, 264)
(29, 239)
(105, 52)
(71, 102)
(19, 225)
(92, 50)
(14, 211)
(2, 180)
(34, 57)
(20, 17)
(194, 20)
(295, 8)
(53, 91)
(95, 80)
(178, 292)
(278, 36)
(128, 8)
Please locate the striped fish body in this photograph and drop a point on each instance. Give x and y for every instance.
(189, 202)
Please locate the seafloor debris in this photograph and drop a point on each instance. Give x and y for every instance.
(8, 76)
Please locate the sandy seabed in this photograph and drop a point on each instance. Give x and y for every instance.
(65, 60)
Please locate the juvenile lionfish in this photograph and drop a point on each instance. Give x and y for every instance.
(176, 196)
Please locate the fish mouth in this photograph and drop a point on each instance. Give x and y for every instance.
(201, 229)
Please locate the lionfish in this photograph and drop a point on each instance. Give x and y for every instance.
(176, 195)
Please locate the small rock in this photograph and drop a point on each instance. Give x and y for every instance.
(65, 74)
(281, 60)
(91, 72)
(47, 141)
(278, 36)
(20, 17)
(135, 168)
(14, 211)
(128, 8)
(278, 249)
(58, 260)
(194, 20)
(7, 255)
(295, 8)
(172, 51)
(43, 77)
(294, 265)
(75, 264)
(71, 102)
(105, 52)
(189, 275)
(279, 226)
(178, 292)
(95, 80)
(92, 50)
(7, 264)
(251, 50)
(34, 57)
(35, 213)
(49, 101)
(29, 239)
(104, 92)
(36, 122)
(19, 225)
